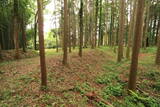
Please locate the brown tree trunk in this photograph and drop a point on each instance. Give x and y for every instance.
(41, 44)
(86, 21)
(65, 41)
(131, 27)
(145, 34)
(158, 50)
(121, 30)
(136, 46)
(23, 27)
(74, 25)
(81, 29)
(16, 30)
(69, 29)
(35, 31)
(96, 21)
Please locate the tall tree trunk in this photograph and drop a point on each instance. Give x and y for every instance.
(69, 28)
(100, 40)
(23, 27)
(131, 27)
(65, 41)
(56, 35)
(137, 44)
(145, 34)
(35, 31)
(86, 38)
(154, 30)
(15, 30)
(41, 44)
(111, 24)
(57, 46)
(121, 30)
(158, 50)
(96, 20)
(81, 28)
(74, 30)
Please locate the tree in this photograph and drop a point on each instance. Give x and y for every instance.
(100, 40)
(41, 44)
(136, 46)
(96, 21)
(121, 30)
(131, 29)
(16, 29)
(69, 26)
(158, 50)
(35, 31)
(81, 28)
(65, 41)
(145, 34)
(23, 28)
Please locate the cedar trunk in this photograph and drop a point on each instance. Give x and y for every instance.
(41, 44)
(65, 41)
(131, 29)
(136, 46)
(15, 29)
(158, 50)
(81, 28)
(23, 27)
(121, 30)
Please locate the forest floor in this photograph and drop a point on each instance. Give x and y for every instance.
(94, 80)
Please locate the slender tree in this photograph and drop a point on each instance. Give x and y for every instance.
(145, 34)
(131, 27)
(81, 28)
(158, 50)
(121, 30)
(136, 46)
(69, 27)
(16, 29)
(23, 28)
(65, 38)
(100, 40)
(41, 44)
(96, 21)
(35, 31)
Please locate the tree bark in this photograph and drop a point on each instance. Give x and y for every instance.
(81, 28)
(145, 34)
(131, 27)
(35, 31)
(121, 30)
(41, 44)
(137, 44)
(16, 30)
(23, 27)
(65, 41)
(100, 40)
(69, 28)
(96, 20)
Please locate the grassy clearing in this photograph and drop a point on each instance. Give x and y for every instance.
(97, 72)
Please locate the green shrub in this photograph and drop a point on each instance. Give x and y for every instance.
(107, 78)
(115, 90)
